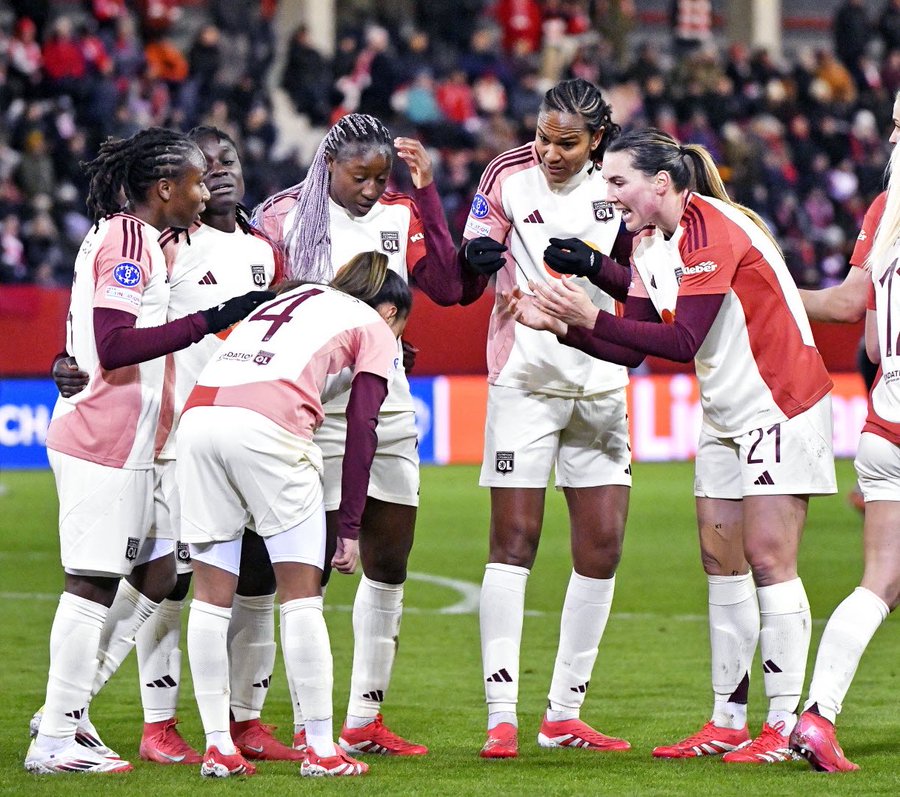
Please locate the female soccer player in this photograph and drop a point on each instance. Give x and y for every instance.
(246, 451)
(100, 442)
(343, 208)
(710, 284)
(548, 406)
(855, 621)
(220, 257)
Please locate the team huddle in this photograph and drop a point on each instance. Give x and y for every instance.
(235, 412)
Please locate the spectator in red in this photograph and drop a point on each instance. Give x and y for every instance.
(64, 64)
(520, 21)
(454, 98)
(24, 59)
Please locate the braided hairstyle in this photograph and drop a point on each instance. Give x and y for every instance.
(583, 98)
(307, 243)
(133, 165)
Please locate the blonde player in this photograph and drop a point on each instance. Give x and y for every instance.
(710, 284)
(246, 451)
(855, 621)
(549, 406)
(101, 441)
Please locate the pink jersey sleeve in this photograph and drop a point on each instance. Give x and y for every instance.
(122, 266)
(487, 218)
(867, 233)
(376, 350)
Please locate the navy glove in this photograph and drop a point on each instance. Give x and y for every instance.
(572, 256)
(485, 256)
(231, 311)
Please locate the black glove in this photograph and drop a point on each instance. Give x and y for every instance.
(572, 256)
(69, 378)
(485, 256)
(230, 312)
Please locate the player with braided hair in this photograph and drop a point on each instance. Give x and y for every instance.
(221, 256)
(340, 209)
(101, 440)
(549, 407)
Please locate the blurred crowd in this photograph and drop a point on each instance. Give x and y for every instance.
(803, 140)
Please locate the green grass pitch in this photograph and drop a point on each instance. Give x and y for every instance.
(650, 684)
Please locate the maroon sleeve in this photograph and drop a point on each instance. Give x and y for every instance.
(613, 278)
(678, 341)
(437, 273)
(120, 343)
(366, 397)
(636, 308)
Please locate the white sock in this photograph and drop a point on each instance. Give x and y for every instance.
(251, 650)
(129, 611)
(733, 636)
(584, 615)
(207, 636)
(501, 613)
(376, 628)
(74, 644)
(849, 629)
(159, 661)
(307, 658)
(784, 634)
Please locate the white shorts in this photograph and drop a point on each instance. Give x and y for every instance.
(167, 513)
(878, 468)
(794, 457)
(394, 477)
(234, 464)
(304, 543)
(104, 515)
(526, 434)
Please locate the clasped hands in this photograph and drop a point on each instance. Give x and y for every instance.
(554, 305)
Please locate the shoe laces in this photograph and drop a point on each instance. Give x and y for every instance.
(771, 736)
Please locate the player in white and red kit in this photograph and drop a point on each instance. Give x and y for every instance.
(343, 208)
(246, 451)
(549, 406)
(710, 284)
(856, 619)
(100, 441)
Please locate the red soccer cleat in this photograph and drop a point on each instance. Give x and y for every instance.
(575, 733)
(502, 742)
(814, 738)
(163, 744)
(257, 742)
(709, 740)
(339, 764)
(376, 739)
(219, 765)
(770, 747)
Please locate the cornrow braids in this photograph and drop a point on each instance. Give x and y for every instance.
(307, 242)
(133, 165)
(584, 98)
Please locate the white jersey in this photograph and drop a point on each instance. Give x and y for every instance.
(277, 361)
(516, 206)
(213, 267)
(394, 228)
(758, 364)
(885, 397)
(112, 421)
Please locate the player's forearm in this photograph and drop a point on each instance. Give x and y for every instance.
(438, 272)
(613, 278)
(679, 341)
(366, 397)
(120, 343)
(584, 340)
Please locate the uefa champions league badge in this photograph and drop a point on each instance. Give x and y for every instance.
(480, 206)
(127, 274)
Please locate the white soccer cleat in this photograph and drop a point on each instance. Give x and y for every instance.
(337, 765)
(85, 734)
(70, 759)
